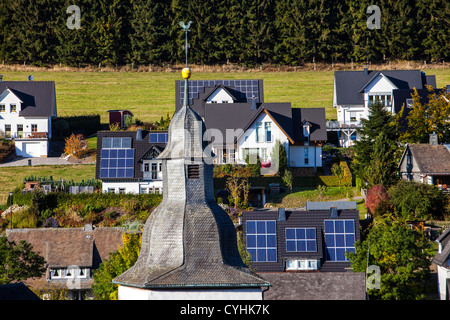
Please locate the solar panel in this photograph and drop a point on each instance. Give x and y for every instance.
(117, 163)
(339, 238)
(262, 240)
(108, 143)
(301, 240)
(247, 88)
(160, 137)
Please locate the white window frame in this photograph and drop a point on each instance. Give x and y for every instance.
(302, 264)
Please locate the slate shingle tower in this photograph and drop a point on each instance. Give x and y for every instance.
(188, 241)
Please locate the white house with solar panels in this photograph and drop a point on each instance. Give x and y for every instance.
(127, 161)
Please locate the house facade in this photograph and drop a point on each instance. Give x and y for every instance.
(26, 112)
(127, 161)
(241, 125)
(442, 260)
(293, 240)
(71, 254)
(426, 163)
(354, 91)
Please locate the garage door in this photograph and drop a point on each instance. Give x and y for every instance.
(31, 150)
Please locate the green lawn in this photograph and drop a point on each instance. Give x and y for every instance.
(150, 95)
(12, 177)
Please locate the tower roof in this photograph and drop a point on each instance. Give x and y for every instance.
(188, 241)
(185, 141)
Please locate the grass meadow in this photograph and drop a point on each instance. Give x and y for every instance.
(150, 95)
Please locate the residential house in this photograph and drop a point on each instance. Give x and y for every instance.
(302, 251)
(442, 260)
(426, 163)
(240, 124)
(315, 238)
(127, 161)
(71, 254)
(354, 91)
(26, 112)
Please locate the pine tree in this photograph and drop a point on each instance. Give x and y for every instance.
(380, 121)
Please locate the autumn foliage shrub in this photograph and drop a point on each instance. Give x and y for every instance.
(378, 201)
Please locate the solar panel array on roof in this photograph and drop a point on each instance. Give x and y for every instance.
(339, 239)
(262, 240)
(117, 158)
(117, 163)
(247, 88)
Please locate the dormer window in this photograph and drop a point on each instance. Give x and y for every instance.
(220, 95)
(13, 107)
(2, 108)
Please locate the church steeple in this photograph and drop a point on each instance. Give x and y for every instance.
(188, 241)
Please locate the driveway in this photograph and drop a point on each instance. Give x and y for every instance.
(35, 162)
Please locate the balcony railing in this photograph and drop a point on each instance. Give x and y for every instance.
(336, 125)
(28, 135)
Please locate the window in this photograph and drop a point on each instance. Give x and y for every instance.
(409, 103)
(122, 190)
(301, 240)
(13, 107)
(306, 156)
(268, 128)
(116, 143)
(111, 190)
(146, 167)
(34, 128)
(262, 240)
(2, 108)
(339, 238)
(20, 130)
(55, 273)
(231, 155)
(159, 137)
(264, 134)
(386, 99)
(263, 155)
(7, 131)
(307, 264)
(259, 133)
(154, 171)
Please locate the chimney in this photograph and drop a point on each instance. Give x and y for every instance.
(434, 139)
(281, 214)
(139, 134)
(333, 212)
(253, 108)
(366, 70)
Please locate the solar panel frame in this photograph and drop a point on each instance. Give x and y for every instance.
(301, 239)
(261, 240)
(247, 88)
(117, 163)
(339, 236)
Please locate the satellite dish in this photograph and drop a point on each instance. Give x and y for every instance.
(30, 78)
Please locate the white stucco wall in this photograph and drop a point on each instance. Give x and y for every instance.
(130, 293)
(248, 140)
(31, 148)
(297, 156)
(132, 187)
(219, 96)
(443, 275)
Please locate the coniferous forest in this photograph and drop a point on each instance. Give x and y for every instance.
(246, 32)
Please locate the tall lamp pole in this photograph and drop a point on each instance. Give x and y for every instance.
(10, 208)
